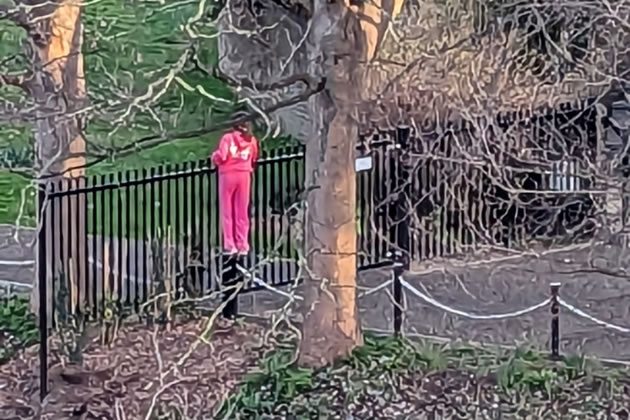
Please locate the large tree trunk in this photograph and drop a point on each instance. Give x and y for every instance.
(331, 325)
(331, 322)
(59, 89)
(343, 39)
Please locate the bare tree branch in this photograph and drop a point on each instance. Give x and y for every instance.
(159, 139)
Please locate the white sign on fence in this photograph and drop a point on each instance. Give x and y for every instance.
(363, 163)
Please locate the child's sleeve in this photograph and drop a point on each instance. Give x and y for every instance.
(220, 155)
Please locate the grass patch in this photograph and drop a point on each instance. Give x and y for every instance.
(392, 378)
(14, 190)
(18, 327)
(13, 187)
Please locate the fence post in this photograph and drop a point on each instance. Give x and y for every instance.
(229, 275)
(42, 273)
(555, 322)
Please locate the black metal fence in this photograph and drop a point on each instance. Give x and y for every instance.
(101, 235)
(493, 184)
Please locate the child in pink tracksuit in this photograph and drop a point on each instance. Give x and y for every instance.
(235, 159)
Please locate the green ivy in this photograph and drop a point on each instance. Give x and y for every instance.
(280, 388)
(18, 327)
(278, 381)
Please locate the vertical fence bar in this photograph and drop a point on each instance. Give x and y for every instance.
(55, 249)
(425, 203)
(60, 275)
(431, 196)
(185, 223)
(158, 230)
(273, 194)
(177, 236)
(89, 286)
(291, 193)
(256, 229)
(201, 225)
(43, 291)
(281, 189)
(443, 179)
(94, 253)
(413, 194)
(138, 201)
(166, 223)
(121, 239)
(204, 226)
(152, 226)
(434, 180)
(299, 173)
(67, 244)
(78, 245)
(130, 237)
(145, 236)
(110, 230)
(210, 266)
(393, 180)
(216, 221)
(555, 321)
(266, 219)
(101, 232)
(371, 213)
(452, 198)
(192, 188)
(379, 205)
(166, 231)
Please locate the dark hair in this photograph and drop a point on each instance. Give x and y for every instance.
(240, 115)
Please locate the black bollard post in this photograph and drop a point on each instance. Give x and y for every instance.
(398, 313)
(555, 322)
(229, 276)
(400, 266)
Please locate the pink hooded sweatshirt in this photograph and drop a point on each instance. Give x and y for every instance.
(236, 153)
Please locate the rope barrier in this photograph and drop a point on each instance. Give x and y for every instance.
(25, 263)
(469, 315)
(370, 291)
(591, 318)
(264, 285)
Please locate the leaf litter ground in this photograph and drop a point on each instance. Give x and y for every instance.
(235, 372)
(125, 376)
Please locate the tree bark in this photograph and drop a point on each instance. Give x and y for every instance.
(331, 323)
(343, 40)
(58, 87)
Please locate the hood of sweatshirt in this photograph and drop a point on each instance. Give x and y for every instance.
(242, 140)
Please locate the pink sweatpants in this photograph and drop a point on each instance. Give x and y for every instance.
(234, 191)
